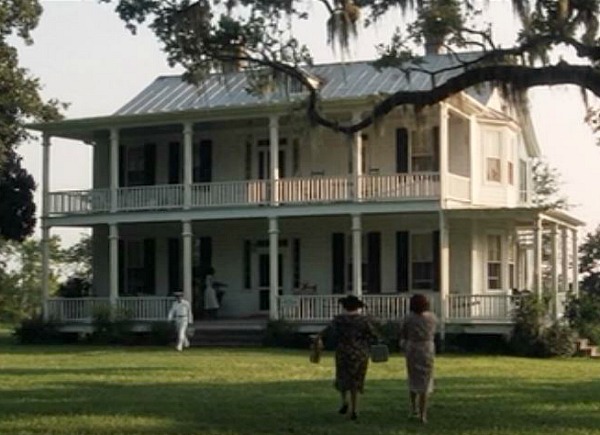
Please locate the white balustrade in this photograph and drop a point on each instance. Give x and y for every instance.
(477, 308)
(459, 187)
(314, 189)
(75, 309)
(164, 196)
(230, 193)
(144, 307)
(79, 201)
(398, 186)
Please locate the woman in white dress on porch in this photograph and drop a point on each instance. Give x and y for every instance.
(211, 302)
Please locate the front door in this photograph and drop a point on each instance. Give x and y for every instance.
(263, 159)
(263, 279)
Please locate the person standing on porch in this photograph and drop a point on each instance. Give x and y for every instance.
(211, 301)
(353, 334)
(181, 313)
(417, 332)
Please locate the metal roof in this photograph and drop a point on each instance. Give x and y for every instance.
(339, 81)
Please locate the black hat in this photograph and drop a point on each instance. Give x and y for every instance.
(351, 303)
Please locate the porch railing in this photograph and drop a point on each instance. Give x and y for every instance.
(248, 192)
(144, 308)
(477, 308)
(75, 309)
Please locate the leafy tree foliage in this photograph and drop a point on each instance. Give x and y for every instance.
(20, 102)
(207, 35)
(17, 209)
(546, 186)
(589, 263)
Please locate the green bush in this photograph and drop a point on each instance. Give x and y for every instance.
(111, 326)
(529, 318)
(583, 314)
(558, 340)
(280, 333)
(38, 331)
(389, 333)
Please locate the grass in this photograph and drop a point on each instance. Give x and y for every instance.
(151, 390)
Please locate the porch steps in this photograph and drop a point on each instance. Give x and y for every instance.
(584, 348)
(227, 333)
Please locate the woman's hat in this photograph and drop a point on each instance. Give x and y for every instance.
(351, 303)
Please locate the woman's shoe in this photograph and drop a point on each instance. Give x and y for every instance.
(343, 409)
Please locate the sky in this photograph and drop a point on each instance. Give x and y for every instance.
(83, 55)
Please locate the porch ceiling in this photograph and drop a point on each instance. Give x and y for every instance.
(521, 215)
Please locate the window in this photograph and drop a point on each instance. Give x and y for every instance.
(136, 174)
(493, 156)
(423, 149)
(494, 262)
(523, 183)
(511, 263)
(421, 255)
(510, 166)
(134, 260)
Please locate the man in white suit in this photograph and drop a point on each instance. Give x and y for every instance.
(181, 313)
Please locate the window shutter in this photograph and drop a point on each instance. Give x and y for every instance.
(203, 170)
(338, 261)
(402, 260)
(296, 263)
(150, 164)
(248, 159)
(374, 265)
(436, 261)
(247, 266)
(149, 266)
(174, 163)
(435, 141)
(174, 266)
(401, 150)
(122, 181)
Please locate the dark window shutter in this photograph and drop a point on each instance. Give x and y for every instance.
(296, 263)
(121, 263)
(374, 265)
(401, 150)
(203, 172)
(174, 163)
(338, 261)
(150, 266)
(435, 133)
(122, 163)
(247, 265)
(205, 255)
(150, 164)
(248, 159)
(402, 260)
(174, 267)
(436, 261)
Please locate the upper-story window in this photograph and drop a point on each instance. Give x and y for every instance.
(493, 156)
(424, 150)
(136, 168)
(510, 162)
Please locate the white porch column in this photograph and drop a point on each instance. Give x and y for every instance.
(554, 262)
(273, 268)
(113, 260)
(475, 258)
(444, 143)
(274, 157)
(473, 167)
(188, 164)
(114, 169)
(575, 262)
(357, 160)
(565, 259)
(537, 257)
(186, 235)
(44, 224)
(356, 255)
(444, 273)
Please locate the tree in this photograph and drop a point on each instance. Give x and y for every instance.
(207, 35)
(546, 186)
(589, 263)
(20, 103)
(77, 259)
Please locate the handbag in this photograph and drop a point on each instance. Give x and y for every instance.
(315, 350)
(379, 352)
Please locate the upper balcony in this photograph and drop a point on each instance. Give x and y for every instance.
(310, 190)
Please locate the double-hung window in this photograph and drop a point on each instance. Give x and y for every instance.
(493, 160)
(494, 262)
(421, 247)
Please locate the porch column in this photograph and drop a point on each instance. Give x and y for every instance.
(188, 163)
(113, 246)
(357, 160)
(273, 268)
(473, 143)
(575, 262)
(44, 224)
(554, 262)
(444, 273)
(274, 157)
(537, 254)
(565, 259)
(114, 169)
(443, 139)
(186, 235)
(356, 255)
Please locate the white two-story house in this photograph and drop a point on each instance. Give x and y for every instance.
(291, 216)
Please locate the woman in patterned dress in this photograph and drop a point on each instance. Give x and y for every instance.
(417, 332)
(353, 334)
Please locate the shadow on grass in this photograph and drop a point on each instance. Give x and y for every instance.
(462, 405)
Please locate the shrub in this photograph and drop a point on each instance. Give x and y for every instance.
(280, 333)
(558, 340)
(38, 331)
(389, 333)
(529, 318)
(583, 314)
(110, 326)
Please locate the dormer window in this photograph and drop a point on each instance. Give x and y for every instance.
(493, 161)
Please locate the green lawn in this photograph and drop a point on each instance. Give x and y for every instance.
(151, 390)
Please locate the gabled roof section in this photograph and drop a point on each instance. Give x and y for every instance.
(339, 81)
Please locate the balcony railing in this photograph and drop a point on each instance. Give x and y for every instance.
(248, 193)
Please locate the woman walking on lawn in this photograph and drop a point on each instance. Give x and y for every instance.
(417, 332)
(353, 334)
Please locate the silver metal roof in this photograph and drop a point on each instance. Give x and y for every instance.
(339, 81)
